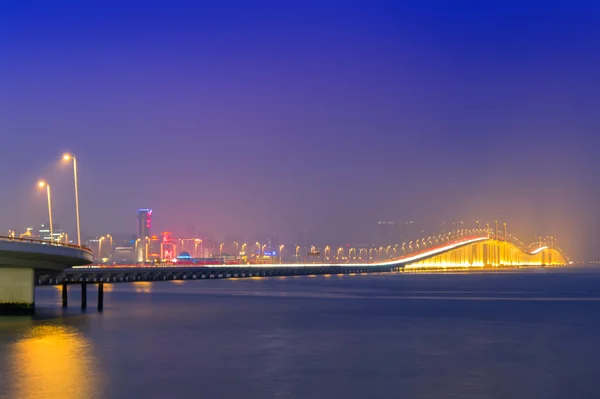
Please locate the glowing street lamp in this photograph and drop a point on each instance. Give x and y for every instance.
(69, 158)
(42, 183)
(100, 248)
(350, 251)
(137, 242)
(196, 242)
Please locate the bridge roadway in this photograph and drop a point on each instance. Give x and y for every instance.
(21, 260)
(118, 274)
(132, 273)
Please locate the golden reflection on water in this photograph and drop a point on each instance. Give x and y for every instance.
(53, 361)
(142, 286)
(109, 287)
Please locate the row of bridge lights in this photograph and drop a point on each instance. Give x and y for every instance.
(393, 251)
(389, 251)
(421, 244)
(42, 183)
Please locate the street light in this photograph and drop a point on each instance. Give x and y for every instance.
(100, 248)
(42, 183)
(69, 157)
(196, 242)
(340, 249)
(137, 242)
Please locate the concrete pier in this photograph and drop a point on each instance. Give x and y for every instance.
(22, 259)
(65, 299)
(100, 297)
(17, 294)
(83, 296)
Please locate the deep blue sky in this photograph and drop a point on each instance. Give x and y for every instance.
(239, 116)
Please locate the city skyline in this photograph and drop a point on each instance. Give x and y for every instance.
(343, 118)
(389, 239)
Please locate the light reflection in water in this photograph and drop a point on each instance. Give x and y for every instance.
(53, 362)
(142, 286)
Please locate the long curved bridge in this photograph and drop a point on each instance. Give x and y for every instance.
(24, 263)
(460, 251)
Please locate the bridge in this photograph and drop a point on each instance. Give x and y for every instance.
(63, 264)
(463, 250)
(22, 259)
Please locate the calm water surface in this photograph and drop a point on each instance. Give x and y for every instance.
(518, 334)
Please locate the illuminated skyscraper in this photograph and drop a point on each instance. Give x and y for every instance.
(144, 222)
(144, 217)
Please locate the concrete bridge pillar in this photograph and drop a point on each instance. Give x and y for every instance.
(17, 291)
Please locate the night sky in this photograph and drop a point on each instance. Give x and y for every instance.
(281, 116)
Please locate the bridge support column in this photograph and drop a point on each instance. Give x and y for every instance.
(17, 291)
(64, 295)
(100, 297)
(83, 296)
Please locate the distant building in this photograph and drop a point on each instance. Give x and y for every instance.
(44, 232)
(144, 229)
(168, 246)
(144, 217)
(123, 255)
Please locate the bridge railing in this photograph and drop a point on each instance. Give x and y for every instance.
(46, 242)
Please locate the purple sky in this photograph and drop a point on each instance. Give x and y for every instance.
(283, 116)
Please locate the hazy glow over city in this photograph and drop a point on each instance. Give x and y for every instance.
(235, 119)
